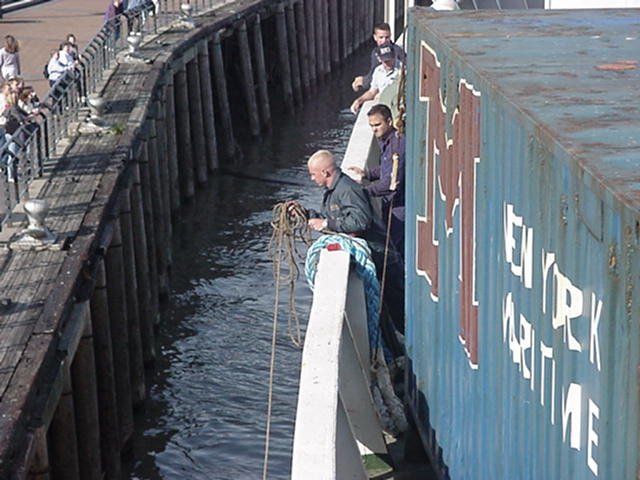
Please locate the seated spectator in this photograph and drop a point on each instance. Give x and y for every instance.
(10, 58)
(383, 75)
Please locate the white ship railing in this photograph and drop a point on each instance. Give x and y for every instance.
(335, 409)
(336, 424)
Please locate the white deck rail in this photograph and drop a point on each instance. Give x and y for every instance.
(335, 408)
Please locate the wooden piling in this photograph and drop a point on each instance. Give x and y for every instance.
(208, 116)
(359, 9)
(183, 135)
(319, 46)
(85, 394)
(248, 85)
(301, 28)
(105, 376)
(368, 27)
(159, 218)
(261, 73)
(119, 313)
(39, 469)
(327, 41)
(334, 33)
(342, 19)
(294, 56)
(149, 228)
(199, 153)
(136, 360)
(380, 11)
(283, 55)
(165, 193)
(351, 36)
(172, 146)
(142, 269)
(309, 9)
(62, 433)
(222, 97)
(116, 296)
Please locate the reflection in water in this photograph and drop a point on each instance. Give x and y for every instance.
(206, 413)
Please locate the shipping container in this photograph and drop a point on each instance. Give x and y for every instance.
(523, 226)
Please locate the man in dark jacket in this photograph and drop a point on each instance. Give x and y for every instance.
(381, 35)
(390, 174)
(346, 208)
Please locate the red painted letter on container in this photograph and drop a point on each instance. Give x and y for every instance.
(451, 172)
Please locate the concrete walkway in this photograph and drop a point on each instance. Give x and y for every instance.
(41, 28)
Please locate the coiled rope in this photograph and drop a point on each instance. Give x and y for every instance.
(366, 270)
(289, 226)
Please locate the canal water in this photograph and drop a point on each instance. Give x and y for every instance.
(206, 412)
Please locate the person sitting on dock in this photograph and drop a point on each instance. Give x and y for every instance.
(383, 75)
(346, 208)
(381, 35)
(389, 175)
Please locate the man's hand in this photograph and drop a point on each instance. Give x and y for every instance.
(355, 106)
(357, 83)
(294, 207)
(317, 224)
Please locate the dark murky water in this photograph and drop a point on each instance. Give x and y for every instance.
(206, 412)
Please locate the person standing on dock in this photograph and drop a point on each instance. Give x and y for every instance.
(381, 35)
(389, 175)
(10, 58)
(383, 75)
(346, 209)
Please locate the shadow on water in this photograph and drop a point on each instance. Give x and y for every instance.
(206, 412)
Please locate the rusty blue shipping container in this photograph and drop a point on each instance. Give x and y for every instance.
(523, 229)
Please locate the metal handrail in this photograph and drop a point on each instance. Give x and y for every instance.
(24, 155)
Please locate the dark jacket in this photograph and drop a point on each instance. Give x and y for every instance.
(347, 208)
(392, 144)
(16, 117)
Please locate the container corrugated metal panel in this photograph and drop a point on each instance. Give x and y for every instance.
(523, 142)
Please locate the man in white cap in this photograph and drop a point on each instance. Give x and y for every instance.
(383, 75)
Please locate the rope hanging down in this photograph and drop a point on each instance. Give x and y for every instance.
(289, 225)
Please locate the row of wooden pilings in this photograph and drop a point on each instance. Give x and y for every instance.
(185, 131)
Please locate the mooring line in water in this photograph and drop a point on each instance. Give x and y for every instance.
(259, 178)
(289, 224)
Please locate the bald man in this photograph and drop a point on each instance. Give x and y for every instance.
(346, 208)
